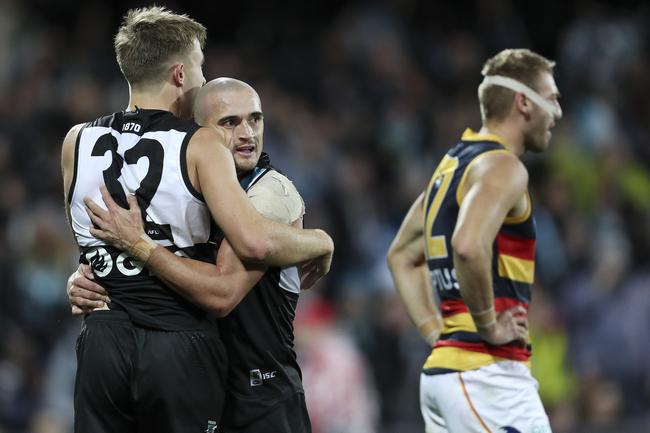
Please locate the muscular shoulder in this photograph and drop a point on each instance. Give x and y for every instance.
(69, 143)
(205, 144)
(72, 134)
(500, 167)
(205, 136)
(275, 197)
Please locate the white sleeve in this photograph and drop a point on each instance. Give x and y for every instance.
(275, 197)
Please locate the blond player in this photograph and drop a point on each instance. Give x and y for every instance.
(463, 260)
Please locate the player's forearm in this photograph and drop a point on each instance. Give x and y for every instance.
(286, 245)
(414, 288)
(208, 286)
(474, 275)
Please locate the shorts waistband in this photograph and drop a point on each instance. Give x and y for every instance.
(122, 317)
(107, 316)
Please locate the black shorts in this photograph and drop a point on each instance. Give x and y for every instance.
(286, 416)
(132, 379)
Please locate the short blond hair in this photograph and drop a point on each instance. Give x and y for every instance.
(520, 64)
(149, 38)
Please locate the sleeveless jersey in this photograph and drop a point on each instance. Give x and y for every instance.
(459, 347)
(259, 338)
(142, 153)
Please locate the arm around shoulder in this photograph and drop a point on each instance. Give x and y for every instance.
(212, 172)
(252, 236)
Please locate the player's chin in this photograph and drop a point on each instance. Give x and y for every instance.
(245, 163)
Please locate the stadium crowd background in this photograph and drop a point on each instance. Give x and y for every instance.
(361, 100)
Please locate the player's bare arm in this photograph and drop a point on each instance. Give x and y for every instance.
(213, 288)
(217, 289)
(85, 296)
(254, 238)
(496, 187)
(67, 163)
(408, 267)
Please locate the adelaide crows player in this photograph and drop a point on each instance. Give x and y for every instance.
(463, 259)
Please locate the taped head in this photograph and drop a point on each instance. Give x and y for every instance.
(520, 68)
(549, 107)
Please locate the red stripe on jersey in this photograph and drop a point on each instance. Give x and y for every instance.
(516, 353)
(516, 246)
(451, 307)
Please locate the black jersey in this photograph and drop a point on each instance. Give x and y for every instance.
(142, 153)
(258, 335)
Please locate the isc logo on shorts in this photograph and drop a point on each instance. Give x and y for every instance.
(212, 427)
(257, 378)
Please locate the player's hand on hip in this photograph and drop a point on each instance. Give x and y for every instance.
(84, 294)
(118, 226)
(511, 325)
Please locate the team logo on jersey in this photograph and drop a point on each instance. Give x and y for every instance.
(102, 263)
(509, 430)
(100, 260)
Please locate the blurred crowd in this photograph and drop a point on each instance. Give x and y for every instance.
(361, 100)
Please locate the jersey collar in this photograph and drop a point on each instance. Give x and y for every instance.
(470, 135)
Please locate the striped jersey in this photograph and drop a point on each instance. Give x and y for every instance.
(459, 347)
(142, 153)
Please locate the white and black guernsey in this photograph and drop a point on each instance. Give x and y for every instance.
(143, 153)
(258, 335)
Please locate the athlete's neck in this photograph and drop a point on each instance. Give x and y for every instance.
(512, 137)
(163, 98)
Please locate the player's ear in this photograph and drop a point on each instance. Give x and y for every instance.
(522, 104)
(178, 74)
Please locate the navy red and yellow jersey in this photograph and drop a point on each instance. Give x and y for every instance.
(459, 347)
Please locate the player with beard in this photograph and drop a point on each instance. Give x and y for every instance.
(463, 259)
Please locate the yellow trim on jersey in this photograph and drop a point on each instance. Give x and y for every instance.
(444, 174)
(455, 358)
(458, 322)
(437, 247)
(469, 135)
(516, 269)
(459, 188)
(523, 217)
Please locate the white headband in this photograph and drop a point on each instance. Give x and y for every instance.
(517, 86)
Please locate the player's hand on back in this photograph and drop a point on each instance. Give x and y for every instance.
(84, 294)
(118, 226)
(511, 325)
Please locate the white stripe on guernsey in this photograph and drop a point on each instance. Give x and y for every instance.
(290, 280)
(518, 86)
(257, 177)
